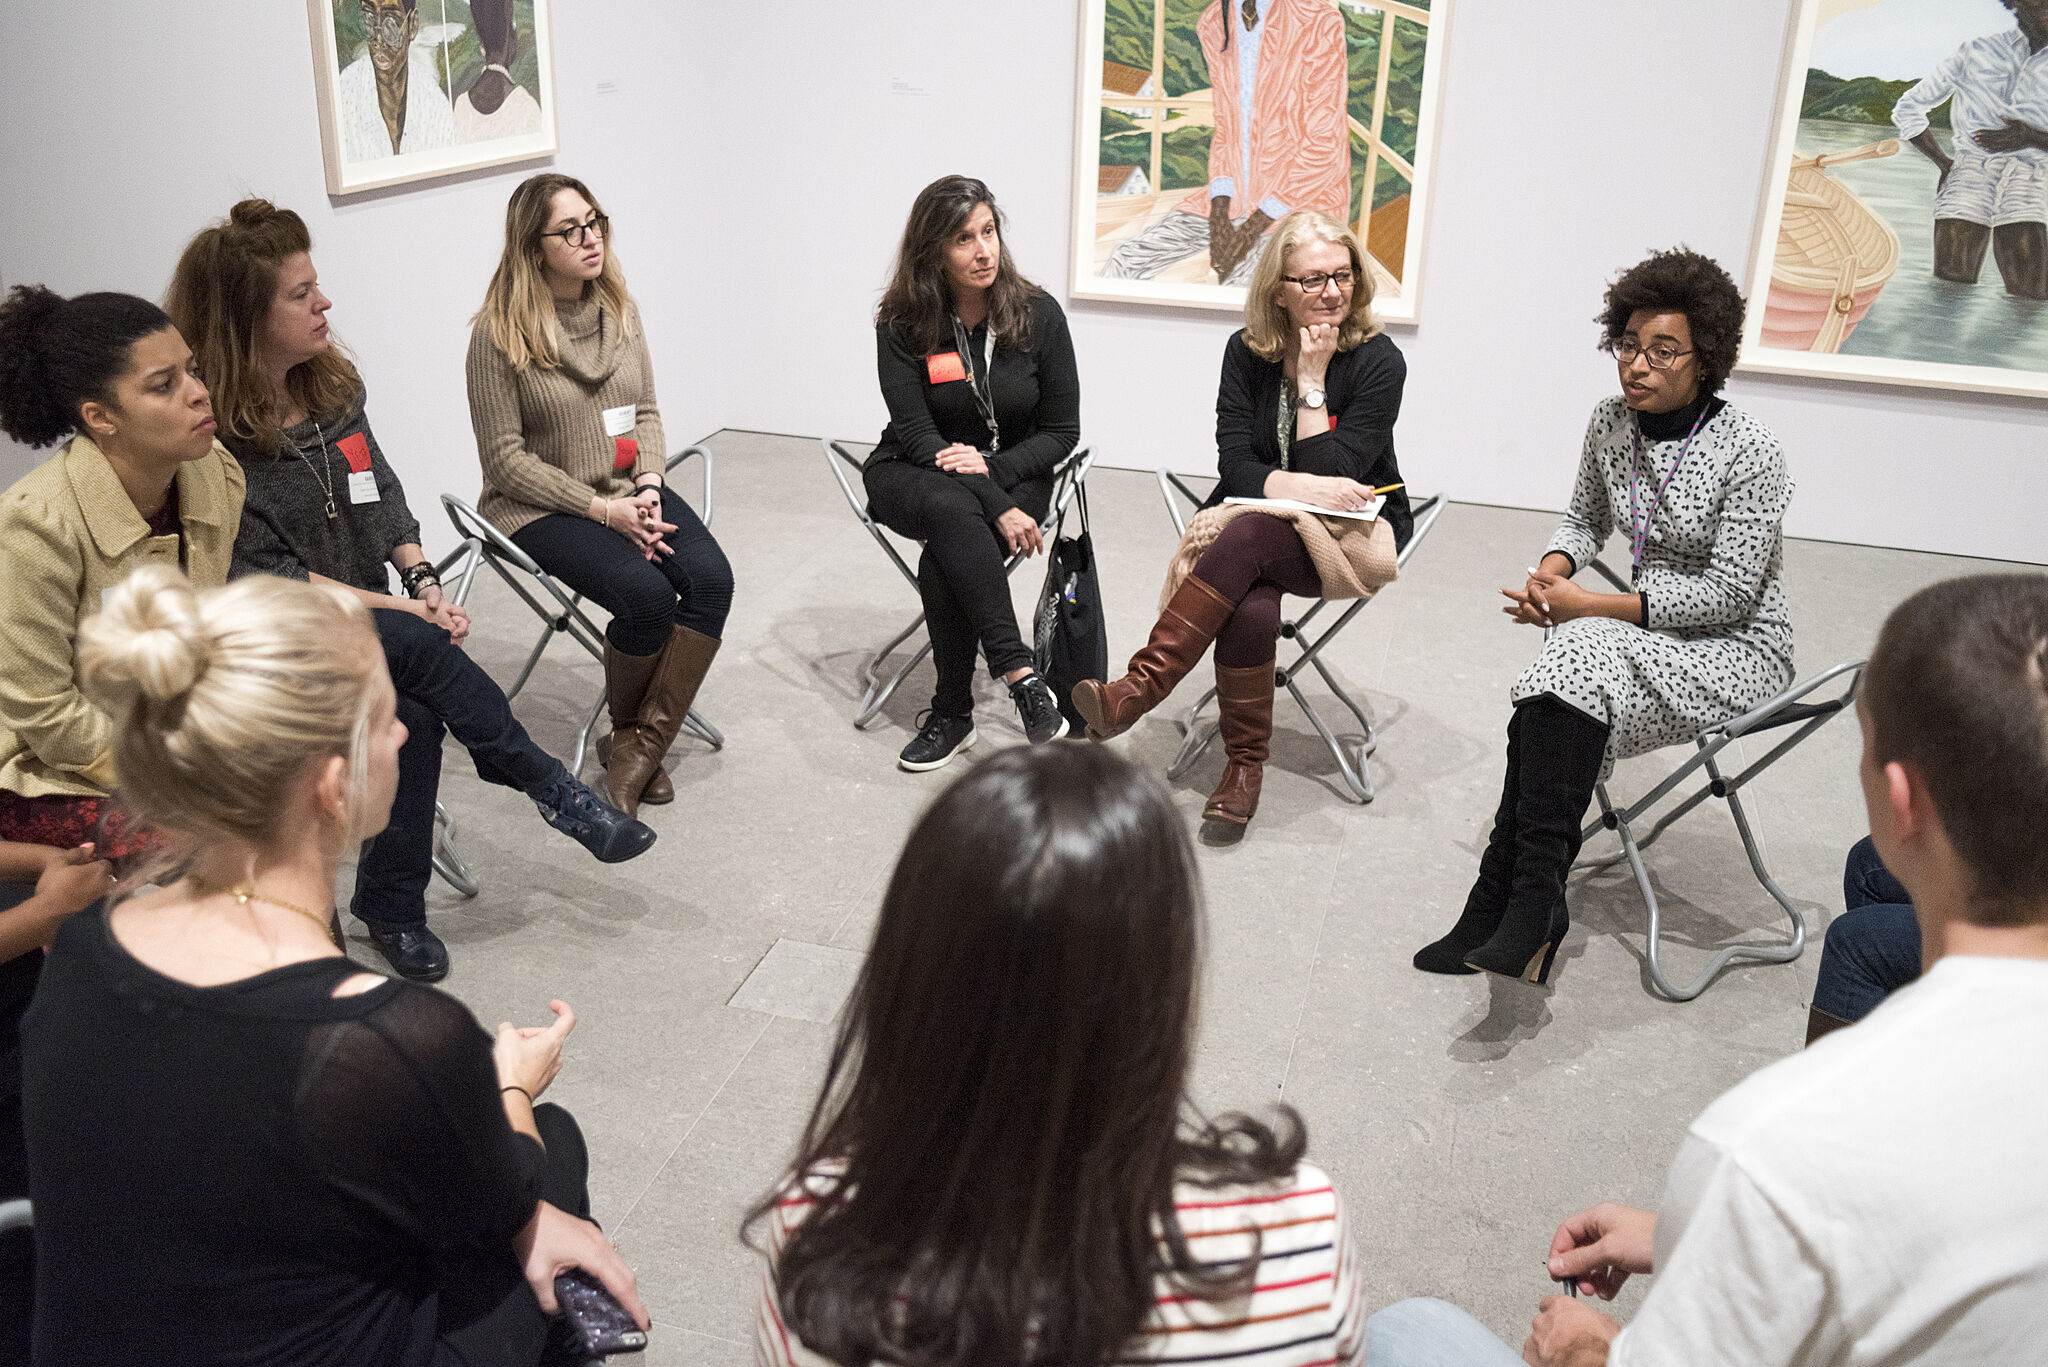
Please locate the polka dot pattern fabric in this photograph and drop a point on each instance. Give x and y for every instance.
(1719, 639)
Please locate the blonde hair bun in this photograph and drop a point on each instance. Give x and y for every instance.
(147, 645)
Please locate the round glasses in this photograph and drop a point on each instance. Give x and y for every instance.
(1662, 356)
(578, 234)
(1317, 283)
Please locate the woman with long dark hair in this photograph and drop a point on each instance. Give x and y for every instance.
(1704, 634)
(561, 397)
(324, 505)
(984, 401)
(1002, 1167)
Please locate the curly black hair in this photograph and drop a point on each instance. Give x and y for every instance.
(1681, 281)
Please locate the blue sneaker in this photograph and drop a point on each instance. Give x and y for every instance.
(571, 808)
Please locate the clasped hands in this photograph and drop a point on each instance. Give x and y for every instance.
(1599, 1249)
(451, 617)
(638, 519)
(1548, 597)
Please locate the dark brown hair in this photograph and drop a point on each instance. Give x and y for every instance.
(1003, 1107)
(919, 302)
(1957, 691)
(1681, 281)
(220, 298)
(57, 354)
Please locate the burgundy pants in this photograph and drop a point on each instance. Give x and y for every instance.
(1255, 559)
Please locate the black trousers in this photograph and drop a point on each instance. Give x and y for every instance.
(691, 588)
(488, 1316)
(17, 1247)
(440, 690)
(960, 576)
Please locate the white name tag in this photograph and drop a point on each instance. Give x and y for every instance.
(362, 487)
(619, 421)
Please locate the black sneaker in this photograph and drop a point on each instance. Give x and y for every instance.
(413, 951)
(938, 739)
(1037, 710)
(571, 808)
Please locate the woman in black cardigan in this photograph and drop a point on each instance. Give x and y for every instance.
(984, 401)
(1311, 388)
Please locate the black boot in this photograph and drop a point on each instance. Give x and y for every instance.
(1562, 750)
(1488, 900)
(586, 818)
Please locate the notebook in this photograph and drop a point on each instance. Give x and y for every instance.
(1370, 511)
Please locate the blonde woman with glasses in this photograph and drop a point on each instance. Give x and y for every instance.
(242, 1146)
(1305, 412)
(561, 396)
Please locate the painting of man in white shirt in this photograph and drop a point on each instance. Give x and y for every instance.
(390, 98)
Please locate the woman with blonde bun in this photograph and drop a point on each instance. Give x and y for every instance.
(242, 1146)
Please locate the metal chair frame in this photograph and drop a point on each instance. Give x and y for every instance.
(1351, 766)
(566, 616)
(1788, 708)
(1069, 476)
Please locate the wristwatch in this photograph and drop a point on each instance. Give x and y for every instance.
(1312, 398)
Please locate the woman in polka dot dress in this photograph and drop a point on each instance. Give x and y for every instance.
(1700, 487)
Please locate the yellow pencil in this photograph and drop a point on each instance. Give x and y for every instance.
(1389, 488)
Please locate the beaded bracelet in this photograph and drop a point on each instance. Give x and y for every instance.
(416, 577)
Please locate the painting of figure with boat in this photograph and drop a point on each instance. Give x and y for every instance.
(1202, 123)
(1905, 234)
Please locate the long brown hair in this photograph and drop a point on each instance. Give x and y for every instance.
(1267, 327)
(1003, 1106)
(918, 300)
(220, 296)
(518, 306)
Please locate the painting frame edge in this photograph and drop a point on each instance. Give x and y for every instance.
(320, 19)
(1083, 284)
(1754, 357)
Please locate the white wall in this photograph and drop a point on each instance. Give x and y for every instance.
(759, 161)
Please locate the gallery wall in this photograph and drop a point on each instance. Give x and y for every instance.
(758, 161)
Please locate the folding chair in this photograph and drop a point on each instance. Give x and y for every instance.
(1350, 765)
(502, 554)
(1788, 708)
(1068, 478)
(449, 865)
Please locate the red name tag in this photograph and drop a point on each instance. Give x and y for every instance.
(625, 451)
(1333, 422)
(357, 449)
(945, 367)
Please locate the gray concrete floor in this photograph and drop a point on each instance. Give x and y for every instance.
(1461, 1117)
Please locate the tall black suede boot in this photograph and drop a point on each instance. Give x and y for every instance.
(1562, 750)
(1488, 900)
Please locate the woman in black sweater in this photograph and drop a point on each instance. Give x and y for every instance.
(242, 1147)
(978, 371)
(1311, 388)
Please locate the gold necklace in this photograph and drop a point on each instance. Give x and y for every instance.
(244, 895)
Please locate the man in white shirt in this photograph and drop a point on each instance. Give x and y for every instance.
(1994, 190)
(390, 97)
(1880, 1198)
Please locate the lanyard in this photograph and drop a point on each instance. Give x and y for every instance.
(1285, 424)
(1639, 521)
(982, 383)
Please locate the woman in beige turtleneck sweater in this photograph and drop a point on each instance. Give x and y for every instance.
(561, 394)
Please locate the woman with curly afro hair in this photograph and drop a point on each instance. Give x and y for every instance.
(1704, 634)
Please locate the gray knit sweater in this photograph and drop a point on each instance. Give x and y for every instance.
(285, 528)
(540, 434)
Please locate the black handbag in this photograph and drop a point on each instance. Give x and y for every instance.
(1069, 641)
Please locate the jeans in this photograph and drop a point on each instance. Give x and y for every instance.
(1873, 949)
(1423, 1332)
(961, 579)
(1252, 562)
(438, 687)
(691, 588)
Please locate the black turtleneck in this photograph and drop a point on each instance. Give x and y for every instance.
(1678, 422)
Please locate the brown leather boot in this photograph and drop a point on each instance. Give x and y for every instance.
(682, 665)
(625, 687)
(1244, 702)
(1184, 630)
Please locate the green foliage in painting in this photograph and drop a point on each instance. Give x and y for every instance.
(1183, 152)
(1865, 99)
(464, 58)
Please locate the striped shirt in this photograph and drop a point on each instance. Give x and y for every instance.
(1303, 1310)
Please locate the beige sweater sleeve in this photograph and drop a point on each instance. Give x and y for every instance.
(40, 701)
(647, 421)
(509, 467)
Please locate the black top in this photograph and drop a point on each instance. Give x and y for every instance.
(1678, 423)
(258, 1172)
(1037, 394)
(285, 528)
(1363, 388)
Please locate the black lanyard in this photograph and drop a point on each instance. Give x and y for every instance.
(981, 383)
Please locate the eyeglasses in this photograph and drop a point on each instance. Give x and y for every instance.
(1315, 284)
(1662, 356)
(386, 24)
(579, 234)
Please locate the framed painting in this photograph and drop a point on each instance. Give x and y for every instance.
(413, 89)
(1903, 237)
(1199, 123)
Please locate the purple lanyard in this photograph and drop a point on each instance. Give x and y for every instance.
(1639, 521)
